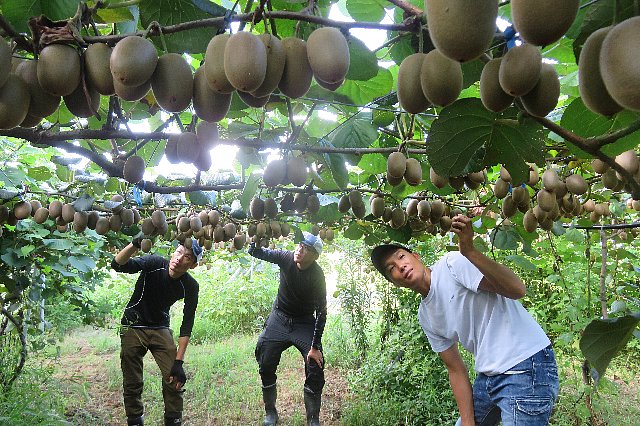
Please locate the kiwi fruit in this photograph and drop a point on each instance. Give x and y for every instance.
(261, 229)
(286, 204)
(355, 198)
(493, 97)
(131, 93)
(619, 64)
(300, 202)
(171, 148)
(115, 223)
(133, 61)
(424, 210)
(184, 224)
(252, 101)
(461, 30)
(96, 59)
(22, 210)
(195, 223)
(55, 209)
(529, 221)
(501, 189)
(77, 102)
(239, 241)
(92, 219)
(629, 161)
(410, 94)
(133, 170)
(437, 180)
(270, 208)
(360, 211)
(546, 200)
(542, 22)
(14, 102)
(576, 184)
(35, 205)
(440, 78)
(172, 82)
(5, 61)
(610, 180)
(59, 69)
(256, 208)
(457, 182)
(592, 89)
(158, 218)
(550, 180)
(445, 223)
(344, 204)
(543, 98)
(297, 171)
(297, 73)
(30, 121)
(275, 173)
(329, 86)
(275, 65)
(328, 54)
(520, 69)
(207, 133)
(41, 215)
(413, 172)
(214, 217)
(520, 195)
(599, 166)
(209, 105)
(398, 218)
(313, 204)
(42, 104)
(229, 230)
(509, 206)
(80, 221)
(67, 213)
(127, 217)
(204, 161)
(377, 206)
(245, 61)
(214, 65)
(412, 207)
(188, 148)
(437, 210)
(102, 226)
(396, 165)
(285, 229)
(329, 234)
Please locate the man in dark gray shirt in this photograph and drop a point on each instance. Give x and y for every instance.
(298, 318)
(145, 325)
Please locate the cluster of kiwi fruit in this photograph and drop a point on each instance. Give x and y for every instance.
(193, 147)
(263, 232)
(400, 168)
(353, 200)
(608, 64)
(472, 180)
(284, 172)
(255, 66)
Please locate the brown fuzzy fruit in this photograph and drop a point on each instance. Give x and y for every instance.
(59, 69)
(493, 97)
(328, 54)
(297, 73)
(14, 102)
(543, 98)
(520, 69)
(542, 22)
(245, 61)
(133, 170)
(96, 59)
(413, 172)
(133, 61)
(440, 78)
(410, 94)
(209, 105)
(172, 82)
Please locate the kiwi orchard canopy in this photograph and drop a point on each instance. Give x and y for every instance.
(451, 112)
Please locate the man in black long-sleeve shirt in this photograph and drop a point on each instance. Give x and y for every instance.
(298, 318)
(145, 325)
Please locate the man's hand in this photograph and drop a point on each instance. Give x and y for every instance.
(463, 228)
(177, 375)
(316, 356)
(136, 242)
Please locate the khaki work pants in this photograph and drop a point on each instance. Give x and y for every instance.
(135, 342)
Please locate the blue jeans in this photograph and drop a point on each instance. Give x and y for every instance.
(522, 396)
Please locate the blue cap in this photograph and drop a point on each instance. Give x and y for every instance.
(196, 249)
(312, 241)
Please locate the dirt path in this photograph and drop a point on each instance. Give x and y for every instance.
(87, 373)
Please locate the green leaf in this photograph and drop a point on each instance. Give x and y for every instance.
(363, 62)
(401, 48)
(202, 198)
(583, 122)
(575, 236)
(249, 190)
(14, 259)
(366, 10)
(465, 128)
(8, 195)
(522, 262)
(603, 339)
(373, 163)
(353, 231)
(401, 235)
(363, 92)
(355, 133)
(40, 173)
(18, 12)
(57, 244)
(337, 165)
(172, 12)
(115, 15)
(82, 263)
(505, 238)
(25, 250)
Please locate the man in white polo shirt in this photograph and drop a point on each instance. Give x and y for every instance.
(471, 299)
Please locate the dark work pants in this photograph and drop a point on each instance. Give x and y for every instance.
(280, 333)
(135, 342)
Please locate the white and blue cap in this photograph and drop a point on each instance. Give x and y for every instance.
(196, 249)
(312, 241)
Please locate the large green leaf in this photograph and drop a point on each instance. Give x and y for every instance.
(249, 190)
(338, 166)
(465, 128)
(505, 238)
(363, 92)
(363, 62)
(604, 338)
(367, 10)
(172, 12)
(202, 198)
(583, 122)
(355, 133)
(373, 163)
(18, 12)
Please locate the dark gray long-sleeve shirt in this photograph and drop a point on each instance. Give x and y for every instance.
(301, 292)
(155, 292)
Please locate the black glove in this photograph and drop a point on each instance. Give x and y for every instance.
(136, 242)
(177, 372)
(252, 247)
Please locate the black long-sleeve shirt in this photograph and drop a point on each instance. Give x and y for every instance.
(301, 292)
(155, 292)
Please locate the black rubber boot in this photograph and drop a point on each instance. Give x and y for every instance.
(172, 421)
(135, 421)
(269, 396)
(312, 404)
